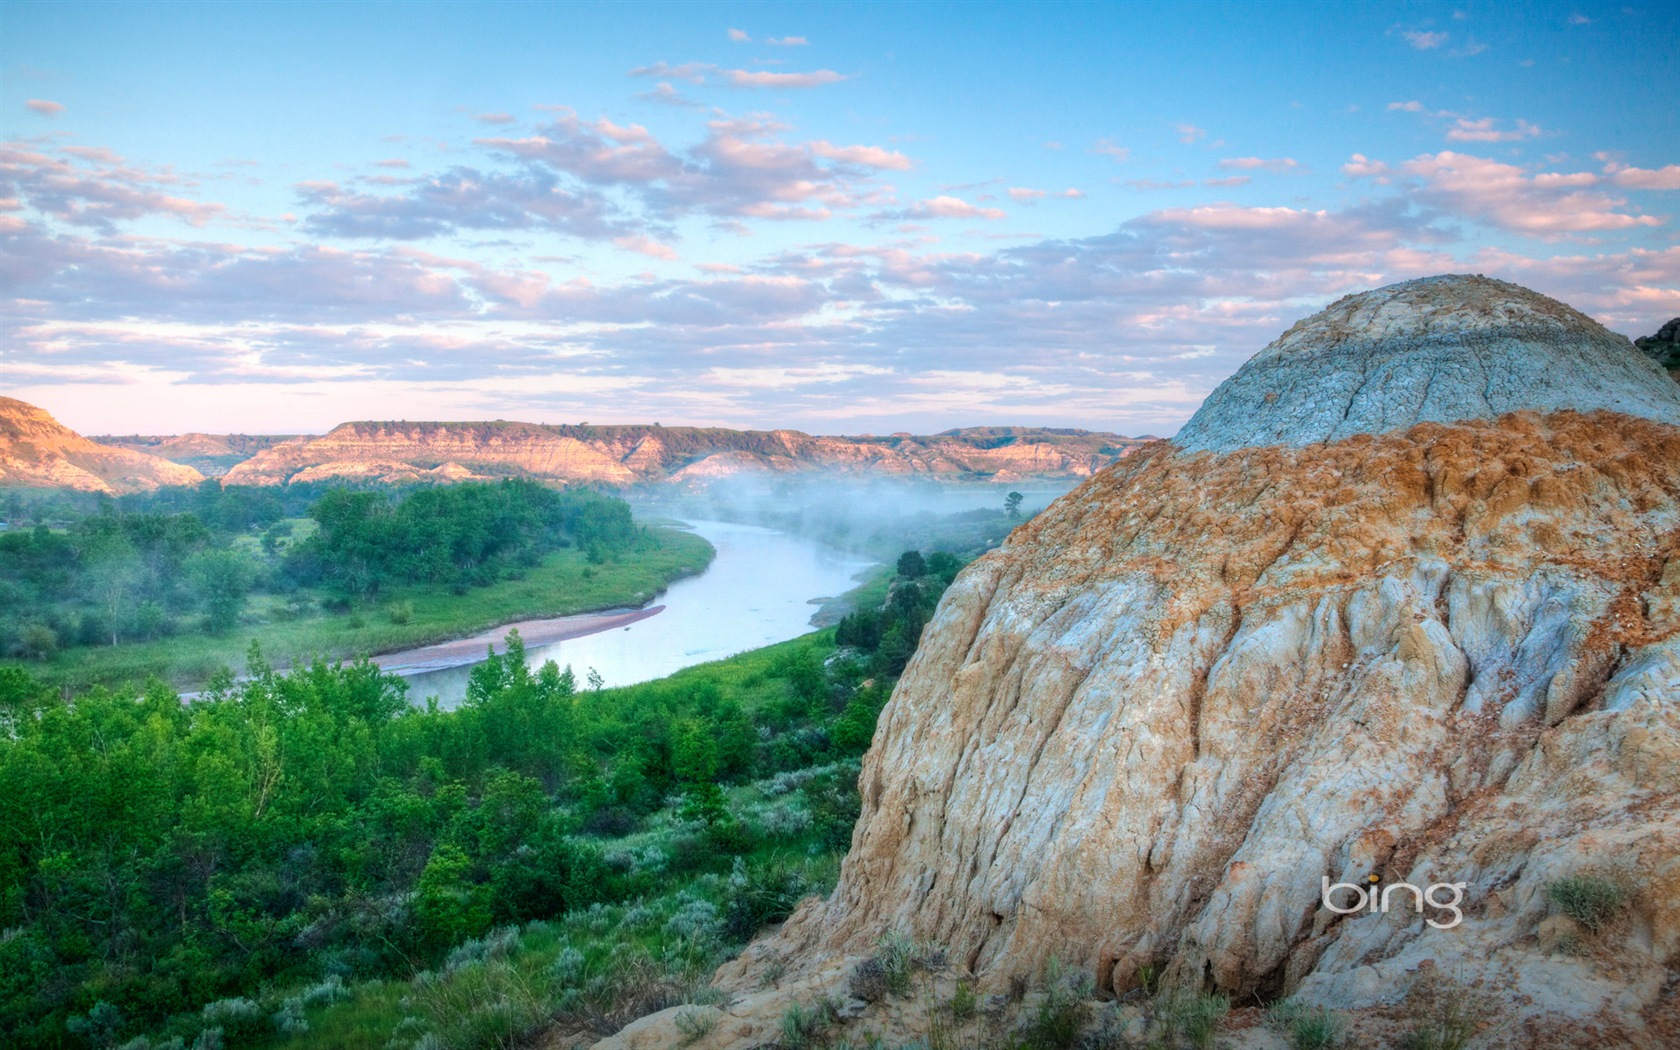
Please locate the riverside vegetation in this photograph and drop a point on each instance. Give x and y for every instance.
(309, 859)
(166, 584)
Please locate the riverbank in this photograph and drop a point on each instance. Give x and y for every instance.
(462, 652)
(564, 584)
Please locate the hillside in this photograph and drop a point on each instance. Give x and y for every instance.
(210, 454)
(36, 451)
(624, 455)
(1421, 628)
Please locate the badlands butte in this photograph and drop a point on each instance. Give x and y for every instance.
(1402, 600)
(35, 450)
(405, 453)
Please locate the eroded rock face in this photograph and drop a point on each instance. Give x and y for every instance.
(622, 455)
(1433, 350)
(1143, 731)
(38, 451)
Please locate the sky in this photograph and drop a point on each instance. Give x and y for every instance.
(839, 218)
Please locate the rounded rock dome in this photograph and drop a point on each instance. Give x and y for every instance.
(1433, 350)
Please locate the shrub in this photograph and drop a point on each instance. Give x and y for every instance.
(330, 990)
(1590, 900)
(1196, 1017)
(695, 1023)
(1062, 1011)
(804, 1024)
(1442, 1015)
(567, 969)
(99, 1025)
(480, 1006)
(400, 612)
(237, 1018)
(696, 921)
(761, 894)
(868, 980)
(289, 1019)
(1308, 1027)
(964, 1001)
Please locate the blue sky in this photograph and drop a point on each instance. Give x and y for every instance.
(834, 217)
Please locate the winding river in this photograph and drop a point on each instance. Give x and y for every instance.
(762, 587)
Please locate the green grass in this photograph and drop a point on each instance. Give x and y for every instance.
(1588, 899)
(562, 585)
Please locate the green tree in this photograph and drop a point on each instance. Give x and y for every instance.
(1012, 504)
(694, 752)
(447, 904)
(911, 566)
(223, 578)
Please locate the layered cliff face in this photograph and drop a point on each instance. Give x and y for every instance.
(636, 454)
(38, 452)
(1139, 735)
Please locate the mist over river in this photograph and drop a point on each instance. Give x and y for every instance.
(763, 587)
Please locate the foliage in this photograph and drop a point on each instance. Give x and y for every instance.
(1308, 1027)
(1591, 900)
(889, 634)
(1061, 1012)
(458, 536)
(142, 569)
(316, 822)
(1443, 1014)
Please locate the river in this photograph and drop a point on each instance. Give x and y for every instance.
(762, 587)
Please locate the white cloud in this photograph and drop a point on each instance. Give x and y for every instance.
(1106, 147)
(1486, 129)
(646, 246)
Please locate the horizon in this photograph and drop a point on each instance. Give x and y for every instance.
(842, 220)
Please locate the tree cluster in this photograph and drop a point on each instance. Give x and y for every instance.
(459, 535)
(888, 635)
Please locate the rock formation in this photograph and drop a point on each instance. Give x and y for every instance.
(1417, 616)
(1435, 350)
(1663, 347)
(624, 455)
(38, 452)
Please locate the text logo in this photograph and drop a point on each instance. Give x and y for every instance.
(1368, 899)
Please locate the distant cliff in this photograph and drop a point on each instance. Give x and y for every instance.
(210, 454)
(623, 455)
(39, 452)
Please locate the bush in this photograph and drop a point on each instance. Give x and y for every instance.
(868, 980)
(1062, 1011)
(1443, 1015)
(237, 1018)
(804, 1024)
(1196, 1017)
(1308, 1027)
(695, 1023)
(1590, 900)
(761, 894)
(400, 612)
(480, 1006)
